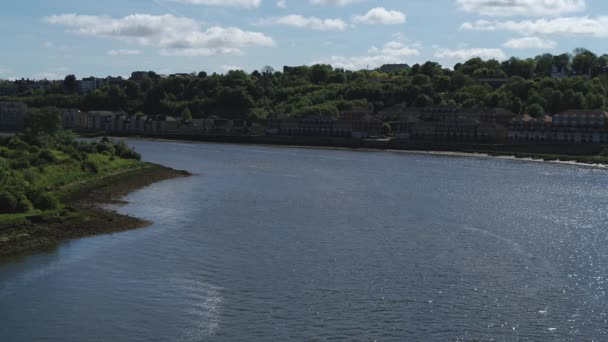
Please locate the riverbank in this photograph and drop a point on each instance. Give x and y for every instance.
(83, 213)
(589, 155)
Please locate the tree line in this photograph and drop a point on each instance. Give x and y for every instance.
(520, 85)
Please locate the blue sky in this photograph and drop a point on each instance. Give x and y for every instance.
(50, 39)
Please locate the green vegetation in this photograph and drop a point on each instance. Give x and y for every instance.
(36, 165)
(515, 84)
(49, 184)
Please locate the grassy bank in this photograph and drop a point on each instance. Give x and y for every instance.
(81, 213)
(51, 188)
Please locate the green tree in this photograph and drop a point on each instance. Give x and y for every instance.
(70, 84)
(536, 110)
(319, 73)
(43, 121)
(186, 115)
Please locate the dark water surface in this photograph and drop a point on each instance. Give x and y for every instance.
(275, 244)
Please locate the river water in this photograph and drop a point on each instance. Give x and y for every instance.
(277, 244)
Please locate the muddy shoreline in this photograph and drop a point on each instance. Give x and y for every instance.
(85, 212)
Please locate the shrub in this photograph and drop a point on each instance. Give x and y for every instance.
(386, 128)
(124, 151)
(71, 151)
(5, 171)
(30, 176)
(8, 202)
(18, 154)
(48, 156)
(86, 147)
(4, 152)
(89, 165)
(23, 205)
(16, 143)
(105, 148)
(20, 164)
(34, 149)
(44, 201)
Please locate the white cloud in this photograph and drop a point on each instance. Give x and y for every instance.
(505, 8)
(530, 43)
(570, 26)
(391, 52)
(48, 44)
(175, 36)
(335, 2)
(466, 54)
(6, 74)
(52, 74)
(124, 52)
(225, 3)
(313, 23)
(380, 15)
(282, 4)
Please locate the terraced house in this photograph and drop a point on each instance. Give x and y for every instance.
(449, 123)
(12, 116)
(573, 126)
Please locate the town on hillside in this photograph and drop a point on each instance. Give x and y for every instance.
(432, 123)
(547, 99)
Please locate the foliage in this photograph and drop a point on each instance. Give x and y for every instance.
(8, 202)
(30, 176)
(515, 84)
(44, 201)
(536, 110)
(386, 128)
(41, 121)
(124, 151)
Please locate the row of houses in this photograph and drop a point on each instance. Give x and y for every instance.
(120, 122)
(430, 123)
(356, 123)
(407, 123)
(578, 126)
(448, 123)
(12, 116)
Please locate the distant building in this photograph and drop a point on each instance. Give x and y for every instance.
(527, 128)
(74, 119)
(448, 123)
(99, 120)
(557, 72)
(357, 123)
(587, 126)
(572, 126)
(12, 116)
(87, 85)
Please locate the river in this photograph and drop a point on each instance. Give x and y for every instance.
(277, 244)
